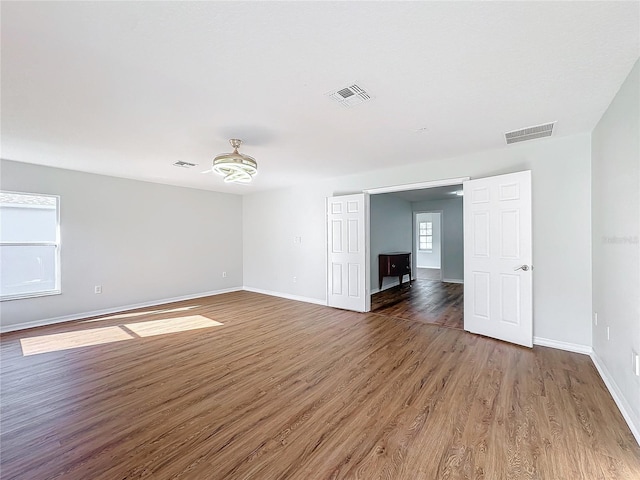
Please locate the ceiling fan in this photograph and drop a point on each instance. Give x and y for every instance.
(235, 167)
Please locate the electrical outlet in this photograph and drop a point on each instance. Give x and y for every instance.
(636, 363)
(224, 274)
(295, 279)
(97, 289)
(608, 334)
(595, 318)
(297, 239)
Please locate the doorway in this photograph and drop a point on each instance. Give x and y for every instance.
(497, 246)
(432, 224)
(428, 245)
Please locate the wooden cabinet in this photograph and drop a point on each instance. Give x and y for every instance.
(395, 264)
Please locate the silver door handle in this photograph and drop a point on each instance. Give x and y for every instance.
(524, 268)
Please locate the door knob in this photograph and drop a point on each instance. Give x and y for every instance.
(524, 268)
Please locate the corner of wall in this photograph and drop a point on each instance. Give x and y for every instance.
(623, 405)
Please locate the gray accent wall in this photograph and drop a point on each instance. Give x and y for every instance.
(391, 231)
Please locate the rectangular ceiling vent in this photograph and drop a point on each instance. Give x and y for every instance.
(529, 133)
(182, 164)
(350, 96)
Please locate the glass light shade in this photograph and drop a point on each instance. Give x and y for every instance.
(235, 167)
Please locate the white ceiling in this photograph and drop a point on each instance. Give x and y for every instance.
(128, 88)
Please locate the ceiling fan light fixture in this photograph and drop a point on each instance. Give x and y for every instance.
(235, 167)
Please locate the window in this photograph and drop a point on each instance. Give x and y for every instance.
(29, 245)
(425, 236)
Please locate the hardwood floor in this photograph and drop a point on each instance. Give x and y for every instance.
(268, 388)
(426, 301)
(429, 273)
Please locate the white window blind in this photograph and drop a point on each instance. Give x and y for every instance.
(29, 245)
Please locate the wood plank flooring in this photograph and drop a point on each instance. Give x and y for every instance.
(429, 273)
(426, 301)
(268, 388)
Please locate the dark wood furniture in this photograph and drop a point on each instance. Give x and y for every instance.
(395, 264)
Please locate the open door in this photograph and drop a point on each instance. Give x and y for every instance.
(348, 256)
(498, 257)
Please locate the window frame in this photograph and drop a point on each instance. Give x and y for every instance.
(57, 290)
(428, 237)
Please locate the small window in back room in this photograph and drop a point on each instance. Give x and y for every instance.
(29, 245)
(426, 236)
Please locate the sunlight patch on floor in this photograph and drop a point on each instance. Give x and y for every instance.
(171, 325)
(117, 333)
(68, 340)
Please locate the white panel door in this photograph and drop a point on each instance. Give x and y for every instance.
(498, 257)
(348, 257)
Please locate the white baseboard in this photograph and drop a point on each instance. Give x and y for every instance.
(393, 283)
(569, 347)
(108, 311)
(623, 405)
(452, 280)
(621, 402)
(286, 295)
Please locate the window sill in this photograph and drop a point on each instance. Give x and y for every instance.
(21, 296)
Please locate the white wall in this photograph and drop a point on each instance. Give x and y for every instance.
(270, 252)
(428, 258)
(391, 231)
(561, 177)
(452, 235)
(143, 242)
(616, 248)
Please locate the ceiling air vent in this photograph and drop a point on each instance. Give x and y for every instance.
(350, 96)
(182, 164)
(529, 133)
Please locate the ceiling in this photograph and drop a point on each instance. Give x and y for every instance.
(129, 88)
(429, 194)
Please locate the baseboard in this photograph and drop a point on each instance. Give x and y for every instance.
(108, 311)
(394, 283)
(621, 402)
(286, 295)
(452, 280)
(569, 347)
